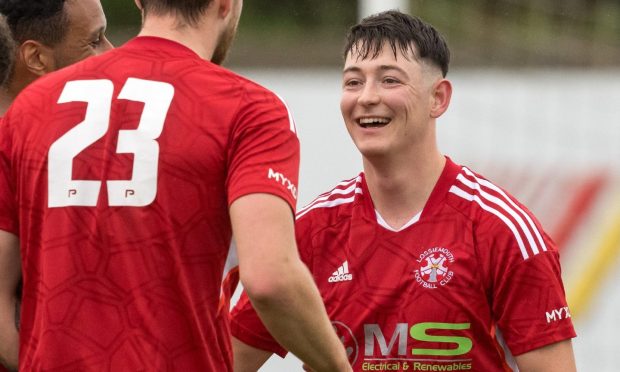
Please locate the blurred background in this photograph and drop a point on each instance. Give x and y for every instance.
(536, 108)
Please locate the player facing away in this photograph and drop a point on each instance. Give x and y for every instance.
(422, 263)
(122, 181)
(50, 35)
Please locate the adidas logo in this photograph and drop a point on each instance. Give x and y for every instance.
(342, 274)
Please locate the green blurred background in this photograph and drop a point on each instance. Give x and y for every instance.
(505, 33)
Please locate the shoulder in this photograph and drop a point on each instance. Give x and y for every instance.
(337, 201)
(495, 214)
(254, 92)
(480, 198)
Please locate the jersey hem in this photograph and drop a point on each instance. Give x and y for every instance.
(10, 228)
(272, 191)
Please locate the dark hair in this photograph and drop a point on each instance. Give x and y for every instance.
(7, 50)
(41, 20)
(403, 32)
(188, 10)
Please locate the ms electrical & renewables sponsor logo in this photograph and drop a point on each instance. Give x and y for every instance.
(408, 348)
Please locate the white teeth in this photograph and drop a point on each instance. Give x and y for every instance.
(373, 122)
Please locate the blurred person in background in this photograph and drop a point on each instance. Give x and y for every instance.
(122, 180)
(50, 35)
(422, 263)
(7, 47)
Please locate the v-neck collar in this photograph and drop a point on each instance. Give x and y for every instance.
(432, 205)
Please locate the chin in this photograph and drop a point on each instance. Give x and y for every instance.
(372, 151)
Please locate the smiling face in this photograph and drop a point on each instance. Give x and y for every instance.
(86, 33)
(389, 103)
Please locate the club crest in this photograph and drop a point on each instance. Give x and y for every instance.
(434, 267)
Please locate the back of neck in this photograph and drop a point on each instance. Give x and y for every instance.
(197, 38)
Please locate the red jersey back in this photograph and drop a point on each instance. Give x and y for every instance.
(117, 174)
(432, 295)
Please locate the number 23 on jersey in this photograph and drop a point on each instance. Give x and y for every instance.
(141, 189)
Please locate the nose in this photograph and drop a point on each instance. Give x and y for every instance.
(107, 45)
(369, 94)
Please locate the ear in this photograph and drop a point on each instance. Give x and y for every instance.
(442, 93)
(139, 4)
(224, 7)
(37, 58)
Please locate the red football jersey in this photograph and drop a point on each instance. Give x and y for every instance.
(117, 174)
(434, 295)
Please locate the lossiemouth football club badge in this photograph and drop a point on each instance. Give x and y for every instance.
(433, 269)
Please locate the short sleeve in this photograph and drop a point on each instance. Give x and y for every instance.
(8, 201)
(528, 299)
(264, 151)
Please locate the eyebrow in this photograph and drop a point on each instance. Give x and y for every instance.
(97, 32)
(381, 68)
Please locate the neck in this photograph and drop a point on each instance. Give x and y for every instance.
(200, 38)
(11, 89)
(5, 100)
(400, 188)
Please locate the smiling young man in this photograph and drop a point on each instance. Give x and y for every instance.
(423, 264)
(122, 180)
(50, 35)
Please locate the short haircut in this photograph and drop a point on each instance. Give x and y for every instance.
(189, 10)
(7, 50)
(45, 21)
(403, 32)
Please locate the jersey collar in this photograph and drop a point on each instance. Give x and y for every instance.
(438, 195)
(160, 45)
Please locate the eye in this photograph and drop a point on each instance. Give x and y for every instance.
(352, 83)
(391, 80)
(96, 42)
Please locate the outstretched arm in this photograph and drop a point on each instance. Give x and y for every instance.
(557, 357)
(279, 285)
(10, 273)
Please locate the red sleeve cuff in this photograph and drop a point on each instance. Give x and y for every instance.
(251, 338)
(555, 335)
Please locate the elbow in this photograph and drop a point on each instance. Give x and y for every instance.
(268, 288)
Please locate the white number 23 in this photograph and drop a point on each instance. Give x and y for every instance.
(141, 189)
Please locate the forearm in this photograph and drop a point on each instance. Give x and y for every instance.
(296, 317)
(10, 273)
(9, 337)
(279, 285)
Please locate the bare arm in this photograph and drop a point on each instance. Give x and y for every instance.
(10, 273)
(279, 285)
(248, 358)
(556, 357)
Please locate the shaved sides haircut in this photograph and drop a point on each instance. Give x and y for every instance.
(41, 20)
(408, 34)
